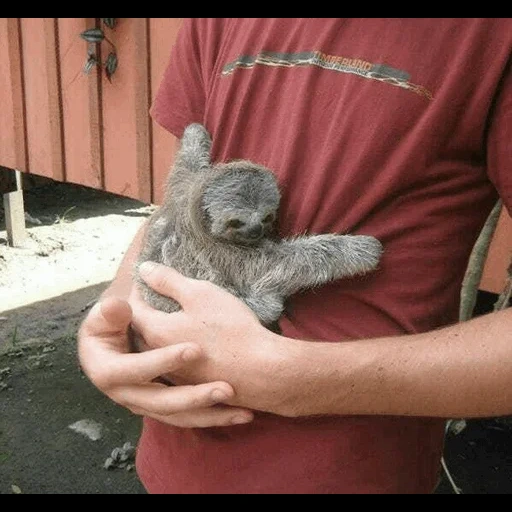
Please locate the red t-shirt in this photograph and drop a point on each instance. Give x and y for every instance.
(399, 128)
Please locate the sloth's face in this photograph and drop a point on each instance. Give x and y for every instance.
(241, 206)
(244, 227)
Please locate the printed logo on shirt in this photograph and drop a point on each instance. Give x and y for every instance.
(380, 72)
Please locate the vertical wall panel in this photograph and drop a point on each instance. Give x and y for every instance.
(13, 151)
(42, 93)
(80, 105)
(142, 122)
(125, 104)
(54, 93)
(499, 257)
(163, 32)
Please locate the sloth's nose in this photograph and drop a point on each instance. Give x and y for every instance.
(254, 230)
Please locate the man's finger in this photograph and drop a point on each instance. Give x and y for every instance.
(166, 281)
(108, 317)
(160, 329)
(165, 400)
(216, 416)
(145, 366)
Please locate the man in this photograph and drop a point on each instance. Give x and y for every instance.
(397, 128)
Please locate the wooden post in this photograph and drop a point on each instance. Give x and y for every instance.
(15, 214)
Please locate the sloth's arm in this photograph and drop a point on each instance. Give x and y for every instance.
(310, 261)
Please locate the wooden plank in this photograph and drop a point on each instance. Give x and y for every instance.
(141, 91)
(96, 120)
(125, 129)
(163, 32)
(54, 99)
(42, 98)
(81, 112)
(13, 144)
(17, 179)
(15, 214)
(499, 257)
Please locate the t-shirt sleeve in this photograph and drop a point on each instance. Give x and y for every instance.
(180, 97)
(499, 142)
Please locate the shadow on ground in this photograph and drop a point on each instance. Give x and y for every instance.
(53, 201)
(42, 393)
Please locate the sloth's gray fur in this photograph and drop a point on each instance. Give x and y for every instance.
(217, 222)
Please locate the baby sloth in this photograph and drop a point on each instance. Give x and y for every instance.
(218, 222)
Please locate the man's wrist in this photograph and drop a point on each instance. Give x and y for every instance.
(297, 377)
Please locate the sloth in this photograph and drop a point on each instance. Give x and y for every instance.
(218, 222)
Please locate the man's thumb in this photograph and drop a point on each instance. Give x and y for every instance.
(107, 317)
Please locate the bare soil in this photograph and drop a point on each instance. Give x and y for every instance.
(57, 432)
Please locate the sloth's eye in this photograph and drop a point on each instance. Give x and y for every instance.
(269, 218)
(234, 223)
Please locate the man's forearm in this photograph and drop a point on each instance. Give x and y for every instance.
(122, 282)
(464, 370)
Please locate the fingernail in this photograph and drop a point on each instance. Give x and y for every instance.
(240, 420)
(219, 395)
(147, 267)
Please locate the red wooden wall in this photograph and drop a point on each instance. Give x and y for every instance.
(59, 122)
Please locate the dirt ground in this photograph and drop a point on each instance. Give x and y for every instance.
(57, 432)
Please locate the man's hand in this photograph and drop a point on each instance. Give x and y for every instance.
(129, 379)
(237, 348)
(462, 370)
